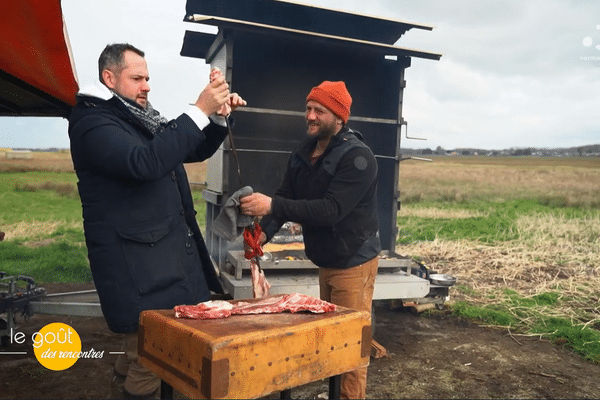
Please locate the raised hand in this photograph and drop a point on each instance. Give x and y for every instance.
(215, 95)
(234, 101)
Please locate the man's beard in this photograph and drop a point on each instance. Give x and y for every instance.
(324, 132)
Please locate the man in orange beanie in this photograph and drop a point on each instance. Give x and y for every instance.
(330, 187)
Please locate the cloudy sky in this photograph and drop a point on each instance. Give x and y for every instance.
(513, 73)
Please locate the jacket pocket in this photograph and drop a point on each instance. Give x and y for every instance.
(151, 254)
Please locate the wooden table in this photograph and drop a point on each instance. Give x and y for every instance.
(249, 356)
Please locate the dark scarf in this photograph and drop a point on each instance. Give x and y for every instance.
(149, 117)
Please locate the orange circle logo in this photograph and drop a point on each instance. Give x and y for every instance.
(57, 346)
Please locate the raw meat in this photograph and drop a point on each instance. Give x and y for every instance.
(260, 285)
(293, 303)
(214, 74)
(207, 310)
(253, 250)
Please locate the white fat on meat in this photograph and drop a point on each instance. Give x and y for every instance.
(260, 285)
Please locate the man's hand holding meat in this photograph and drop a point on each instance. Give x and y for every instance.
(256, 204)
(215, 98)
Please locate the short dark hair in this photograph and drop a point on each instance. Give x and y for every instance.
(112, 57)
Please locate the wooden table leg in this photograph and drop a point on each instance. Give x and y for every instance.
(166, 390)
(334, 386)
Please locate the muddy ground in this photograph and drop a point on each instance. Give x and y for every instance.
(429, 356)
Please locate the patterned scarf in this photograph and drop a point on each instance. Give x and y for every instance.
(149, 117)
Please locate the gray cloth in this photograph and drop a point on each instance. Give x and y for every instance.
(230, 222)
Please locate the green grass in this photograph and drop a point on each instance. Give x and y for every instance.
(61, 261)
(28, 199)
(543, 299)
(38, 196)
(582, 340)
(31, 197)
(488, 314)
(496, 224)
(200, 207)
(515, 309)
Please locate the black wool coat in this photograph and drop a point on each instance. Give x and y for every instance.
(145, 248)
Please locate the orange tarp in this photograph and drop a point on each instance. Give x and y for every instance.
(34, 47)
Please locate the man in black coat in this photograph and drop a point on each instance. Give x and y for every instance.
(330, 187)
(144, 244)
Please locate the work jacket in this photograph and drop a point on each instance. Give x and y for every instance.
(335, 200)
(144, 244)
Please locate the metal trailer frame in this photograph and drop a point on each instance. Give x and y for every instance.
(19, 295)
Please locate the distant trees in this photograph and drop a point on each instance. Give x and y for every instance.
(590, 149)
(583, 151)
(523, 152)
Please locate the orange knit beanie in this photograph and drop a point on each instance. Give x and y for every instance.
(334, 96)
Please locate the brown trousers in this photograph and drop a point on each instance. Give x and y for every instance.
(352, 288)
(139, 381)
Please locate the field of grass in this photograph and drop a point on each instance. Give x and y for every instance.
(41, 218)
(553, 180)
(522, 235)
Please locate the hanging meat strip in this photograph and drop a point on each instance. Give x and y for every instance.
(253, 250)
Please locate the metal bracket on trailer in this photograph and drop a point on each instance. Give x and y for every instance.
(19, 294)
(80, 304)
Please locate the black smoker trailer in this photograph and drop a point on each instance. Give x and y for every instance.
(273, 53)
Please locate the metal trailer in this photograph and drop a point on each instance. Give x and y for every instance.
(272, 53)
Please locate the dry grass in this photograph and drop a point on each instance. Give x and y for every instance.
(552, 253)
(61, 162)
(437, 213)
(36, 229)
(63, 189)
(571, 181)
(41, 161)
